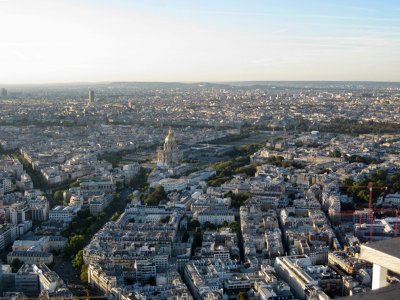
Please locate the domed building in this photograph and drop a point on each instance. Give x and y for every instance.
(170, 155)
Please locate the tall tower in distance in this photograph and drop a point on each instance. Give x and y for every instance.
(3, 92)
(91, 96)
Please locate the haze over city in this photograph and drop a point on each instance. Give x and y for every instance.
(47, 41)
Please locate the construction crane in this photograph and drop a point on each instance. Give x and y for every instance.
(374, 210)
(370, 187)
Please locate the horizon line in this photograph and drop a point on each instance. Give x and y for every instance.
(190, 82)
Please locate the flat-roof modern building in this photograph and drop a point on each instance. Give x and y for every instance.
(385, 256)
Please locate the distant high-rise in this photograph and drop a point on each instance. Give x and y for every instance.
(3, 92)
(91, 96)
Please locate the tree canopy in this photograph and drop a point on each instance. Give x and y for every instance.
(74, 244)
(77, 262)
(156, 196)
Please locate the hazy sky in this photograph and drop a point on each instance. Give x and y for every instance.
(202, 40)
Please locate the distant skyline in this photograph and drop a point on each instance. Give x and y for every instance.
(47, 41)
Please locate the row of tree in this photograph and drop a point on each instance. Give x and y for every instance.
(238, 164)
(353, 126)
(155, 196)
(237, 200)
(79, 265)
(81, 230)
(382, 181)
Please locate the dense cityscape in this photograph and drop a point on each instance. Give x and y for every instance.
(239, 190)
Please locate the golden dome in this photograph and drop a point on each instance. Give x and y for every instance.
(170, 136)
